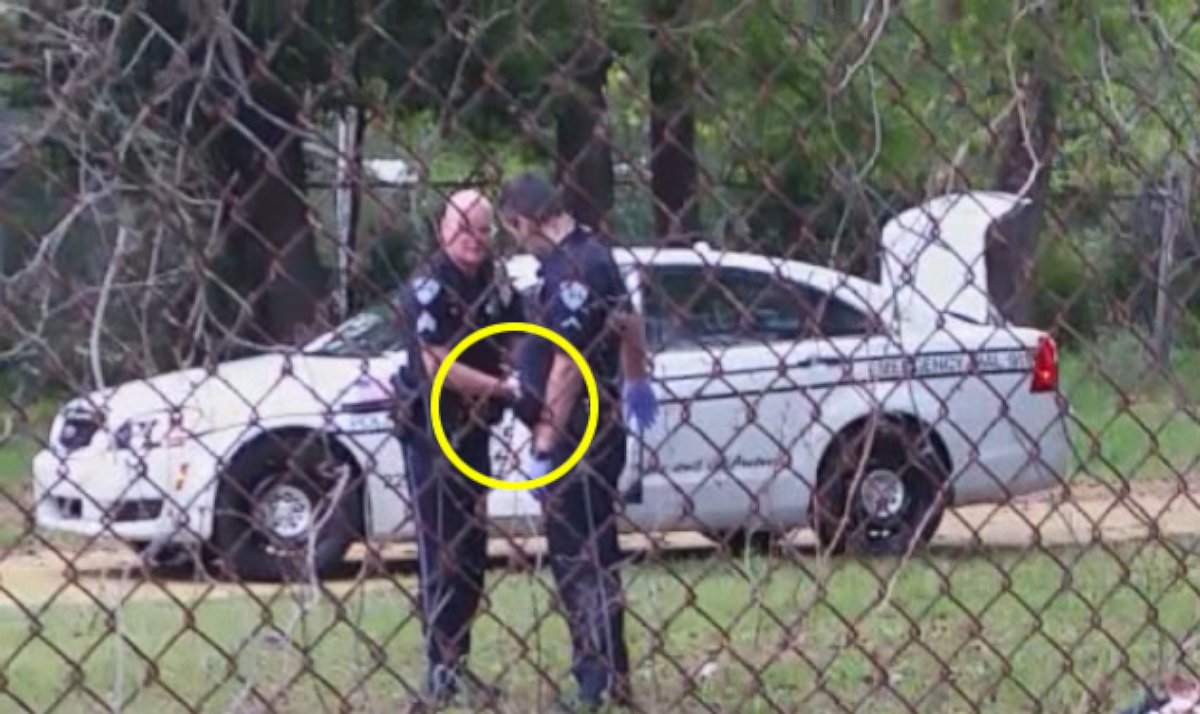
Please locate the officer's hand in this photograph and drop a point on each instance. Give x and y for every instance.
(537, 467)
(641, 406)
(511, 385)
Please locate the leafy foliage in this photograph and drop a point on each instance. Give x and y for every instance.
(815, 121)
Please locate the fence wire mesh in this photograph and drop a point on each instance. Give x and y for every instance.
(912, 287)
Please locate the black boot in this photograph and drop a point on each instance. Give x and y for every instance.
(591, 601)
(475, 692)
(594, 701)
(438, 691)
(455, 686)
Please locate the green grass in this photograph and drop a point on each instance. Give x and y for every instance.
(15, 460)
(1017, 632)
(29, 428)
(1132, 421)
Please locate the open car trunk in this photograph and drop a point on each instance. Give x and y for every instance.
(933, 255)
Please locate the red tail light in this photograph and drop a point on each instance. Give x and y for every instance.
(1045, 366)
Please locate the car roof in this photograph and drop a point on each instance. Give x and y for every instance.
(523, 268)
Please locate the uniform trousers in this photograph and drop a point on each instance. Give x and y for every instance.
(451, 523)
(581, 528)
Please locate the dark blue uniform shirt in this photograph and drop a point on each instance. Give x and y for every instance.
(442, 306)
(581, 290)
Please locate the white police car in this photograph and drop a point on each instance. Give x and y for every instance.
(777, 381)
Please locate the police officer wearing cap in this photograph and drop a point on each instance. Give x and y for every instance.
(460, 292)
(583, 298)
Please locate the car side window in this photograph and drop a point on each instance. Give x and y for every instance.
(783, 309)
(837, 318)
(691, 306)
(669, 305)
(698, 306)
(787, 310)
(769, 307)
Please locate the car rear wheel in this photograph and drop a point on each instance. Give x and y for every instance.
(880, 494)
(276, 504)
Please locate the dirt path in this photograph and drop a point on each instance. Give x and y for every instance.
(107, 576)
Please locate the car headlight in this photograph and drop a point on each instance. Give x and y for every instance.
(171, 427)
(73, 427)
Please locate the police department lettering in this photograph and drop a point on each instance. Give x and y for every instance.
(947, 365)
(940, 364)
(378, 421)
(738, 463)
(1007, 361)
(887, 369)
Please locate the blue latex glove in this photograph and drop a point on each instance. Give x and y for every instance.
(641, 406)
(539, 467)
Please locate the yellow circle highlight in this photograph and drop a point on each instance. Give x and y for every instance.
(589, 381)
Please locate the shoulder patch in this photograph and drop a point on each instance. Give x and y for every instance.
(425, 289)
(426, 324)
(573, 294)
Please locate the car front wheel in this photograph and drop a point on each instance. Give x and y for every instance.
(743, 541)
(287, 509)
(165, 556)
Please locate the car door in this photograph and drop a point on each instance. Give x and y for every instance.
(373, 431)
(371, 339)
(744, 359)
(714, 377)
(811, 340)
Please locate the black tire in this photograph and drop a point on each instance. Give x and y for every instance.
(303, 469)
(165, 557)
(899, 454)
(740, 541)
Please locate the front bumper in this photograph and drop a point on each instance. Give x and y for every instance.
(118, 494)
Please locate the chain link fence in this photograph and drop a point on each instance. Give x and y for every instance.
(917, 289)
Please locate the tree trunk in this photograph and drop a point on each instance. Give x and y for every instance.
(1026, 152)
(354, 299)
(268, 242)
(347, 202)
(950, 10)
(673, 166)
(1187, 257)
(585, 163)
(1176, 221)
(1171, 225)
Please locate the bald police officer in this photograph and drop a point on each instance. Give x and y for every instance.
(459, 293)
(583, 298)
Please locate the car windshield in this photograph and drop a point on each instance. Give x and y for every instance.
(371, 332)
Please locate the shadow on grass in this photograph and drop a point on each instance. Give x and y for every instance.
(804, 556)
